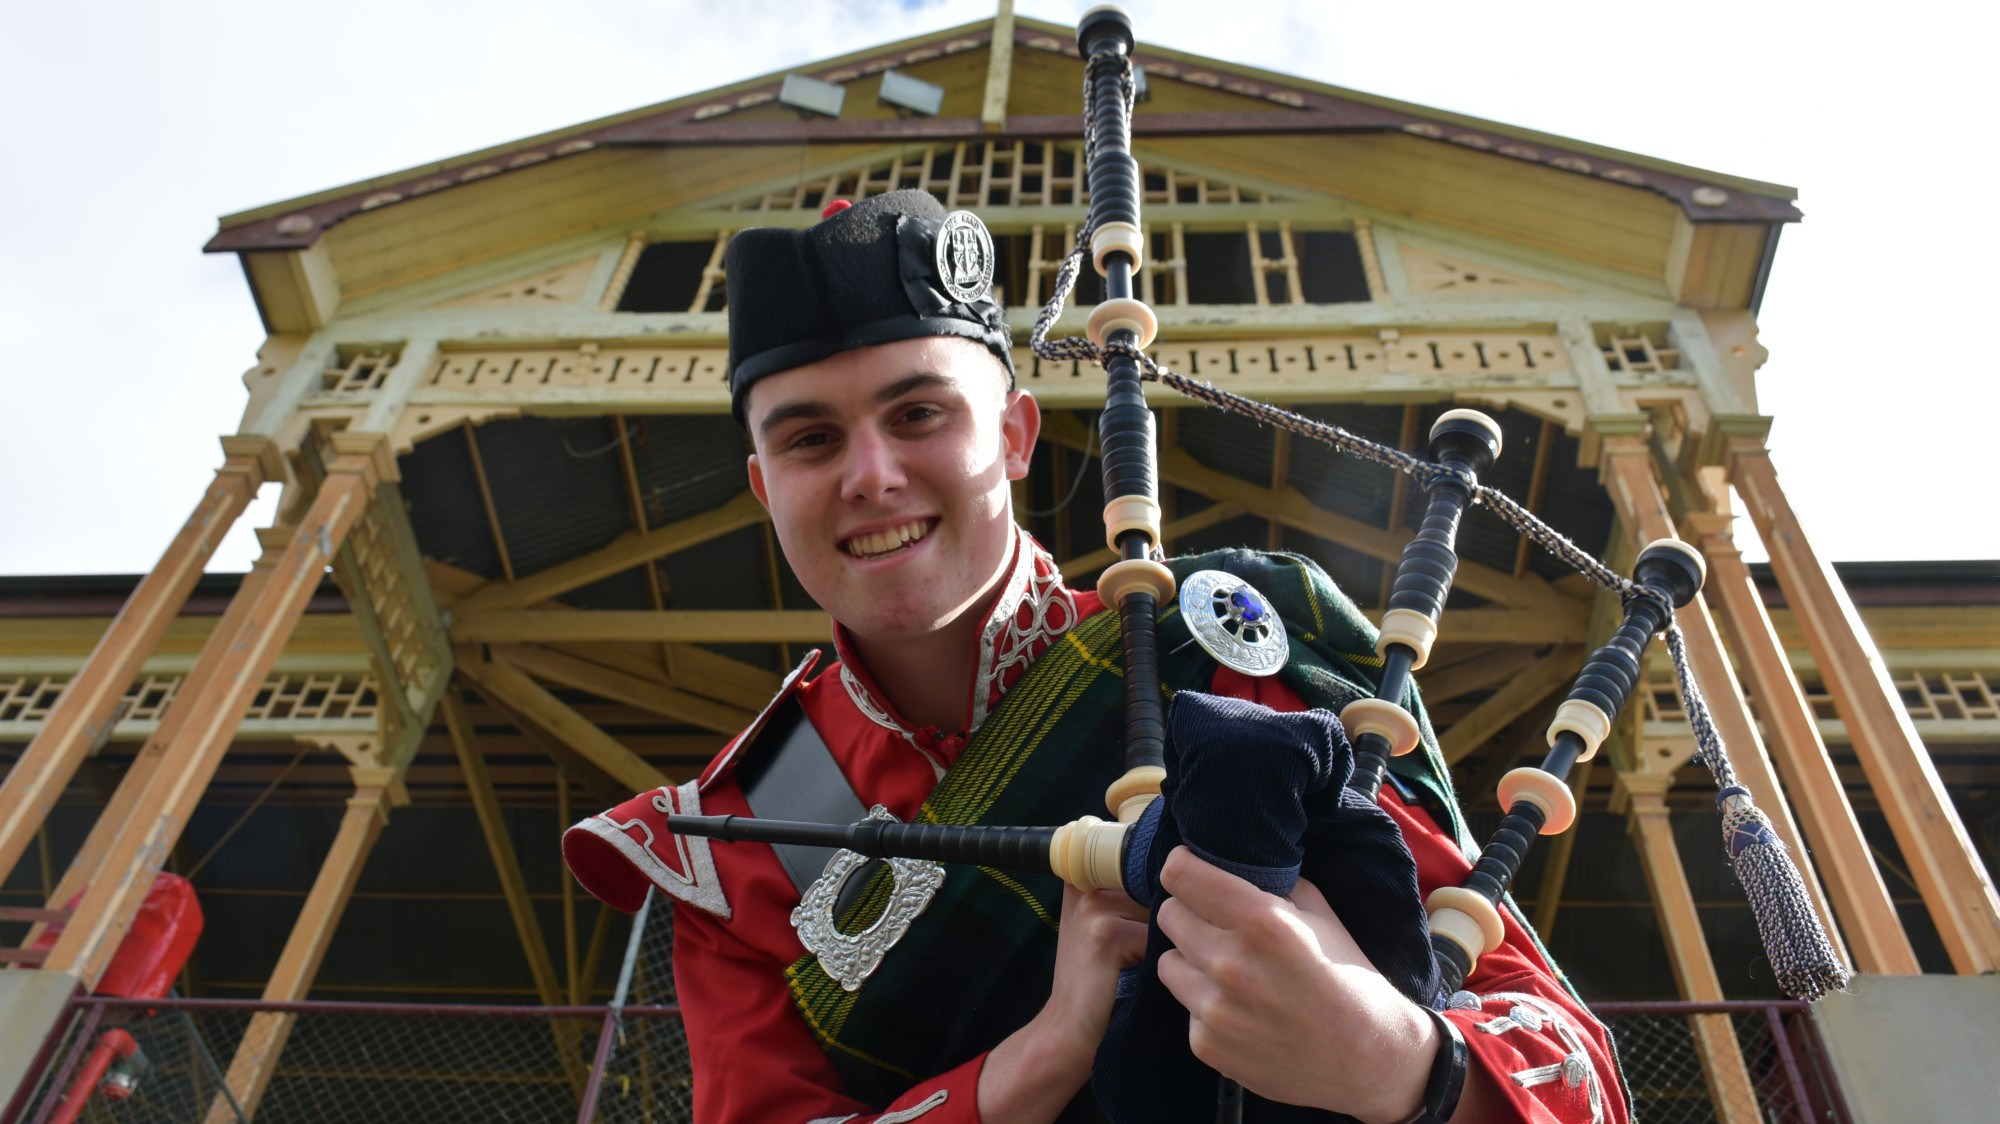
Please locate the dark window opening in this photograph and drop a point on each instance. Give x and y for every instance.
(1010, 268)
(1330, 267)
(667, 276)
(1271, 245)
(1218, 269)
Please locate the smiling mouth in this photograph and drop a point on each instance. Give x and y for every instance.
(881, 544)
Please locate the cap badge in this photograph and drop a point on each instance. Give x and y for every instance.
(964, 257)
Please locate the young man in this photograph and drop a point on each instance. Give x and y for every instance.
(886, 426)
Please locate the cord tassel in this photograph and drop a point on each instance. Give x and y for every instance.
(1801, 955)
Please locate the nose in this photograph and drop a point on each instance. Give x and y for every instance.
(874, 470)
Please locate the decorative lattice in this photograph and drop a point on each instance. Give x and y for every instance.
(304, 698)
(1928, 696)
(1636, 351)
(374, 559)
(354, 369)
(978, 174)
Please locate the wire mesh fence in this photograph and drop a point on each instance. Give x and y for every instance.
(626, 1063)
(1735, 1063)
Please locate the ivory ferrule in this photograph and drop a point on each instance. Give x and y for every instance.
(1540, 788)
(1467, 918)
(1089, 853)
(1129, 795)
(1128, 313)
(1380, 716)
(1131, 513)
(1136, 574)
(1410, 628)
(1586, 721)
(1117, 237)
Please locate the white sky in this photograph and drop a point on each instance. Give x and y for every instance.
(130, 126)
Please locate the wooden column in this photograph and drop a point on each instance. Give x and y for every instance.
(1628, 473)
(1954, 883)
(130, 794)
(501, 845)
(83, 714)
(1867, 915)
(1729, 1086)
(264, 1039)
(240, 663)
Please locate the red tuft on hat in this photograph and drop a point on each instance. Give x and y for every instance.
(835, 207)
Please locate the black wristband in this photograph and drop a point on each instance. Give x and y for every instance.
(1447, 1079)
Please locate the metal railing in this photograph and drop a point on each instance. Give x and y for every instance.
(332, 1062)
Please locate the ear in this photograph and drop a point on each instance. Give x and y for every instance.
(1020, 427)
(757, 482)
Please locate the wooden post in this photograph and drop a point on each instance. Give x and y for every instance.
(1953, 881)
(1628, 472)
(240, 663)
(1867, 915)
(83, 713)
(130, 794)
(264, 1039)
(501, 846)
(1729, 1087)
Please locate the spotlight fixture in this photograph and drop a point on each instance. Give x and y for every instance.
(1141, 92)
(910, 95)
(810, 96)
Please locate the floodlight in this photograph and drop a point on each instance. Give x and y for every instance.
(1140, 91)
(912, 95)
(810, 95)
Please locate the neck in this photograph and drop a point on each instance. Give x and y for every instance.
(927, 679)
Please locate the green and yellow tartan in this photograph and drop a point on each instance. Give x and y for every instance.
(978, 963)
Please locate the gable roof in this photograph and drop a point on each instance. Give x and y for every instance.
(1206, 98)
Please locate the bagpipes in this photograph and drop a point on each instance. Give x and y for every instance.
(1464, 921)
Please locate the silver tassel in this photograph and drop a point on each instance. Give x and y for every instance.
(1801, 955)
(1796, 943)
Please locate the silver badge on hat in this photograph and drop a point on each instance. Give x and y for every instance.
(1234, 623)
(964, 257)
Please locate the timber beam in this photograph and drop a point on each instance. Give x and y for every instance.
(513, 688)
(569, 671)
(626, 551)
(1290, 507)
(500, 844)
(256, 1059)
(674, 626)
(1518, 696)
(85, 713)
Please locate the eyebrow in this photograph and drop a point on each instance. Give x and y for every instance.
(795, 411)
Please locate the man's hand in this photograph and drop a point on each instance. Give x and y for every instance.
(1282, 1000)
(1033, 1074)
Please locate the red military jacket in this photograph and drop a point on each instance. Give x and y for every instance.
(756, 1061)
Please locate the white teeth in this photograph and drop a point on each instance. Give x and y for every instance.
(882, 542)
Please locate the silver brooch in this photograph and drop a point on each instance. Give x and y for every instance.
(964, 257)
(1232, 622)
(852, 957)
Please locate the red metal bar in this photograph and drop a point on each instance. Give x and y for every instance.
(85, 1037)
(1719, 1007)
(1783, 1041)
(588, 1107)
(341, 1007)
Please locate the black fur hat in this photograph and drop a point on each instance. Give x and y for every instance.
(891, 267)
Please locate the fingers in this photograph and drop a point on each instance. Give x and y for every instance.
(1208, 890)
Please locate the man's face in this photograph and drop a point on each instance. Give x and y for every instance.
(885, 470)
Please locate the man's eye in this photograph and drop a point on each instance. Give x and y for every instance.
(810, 440)
(921, 413)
